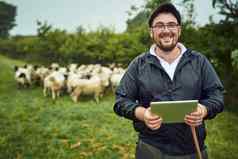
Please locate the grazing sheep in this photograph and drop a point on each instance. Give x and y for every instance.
(54, 66)
(54, 82)
(22, 77)
(116, 77)
(115, 80)
(41, 73)
(73, 67)
(34, 78)
(92, 79)
(90, 86)
(73, 80)
(105, 75)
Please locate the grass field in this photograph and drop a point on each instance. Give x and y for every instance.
(34, 127)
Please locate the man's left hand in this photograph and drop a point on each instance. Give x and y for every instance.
(196, 118)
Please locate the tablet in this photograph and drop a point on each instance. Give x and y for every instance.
(173, 111)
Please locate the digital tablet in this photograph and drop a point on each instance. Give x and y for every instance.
(173, 111)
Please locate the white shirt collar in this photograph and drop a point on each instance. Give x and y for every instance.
(169, 68)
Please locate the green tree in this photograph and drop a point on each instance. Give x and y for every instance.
(189, 12)
(7, 18)
(228, 8)
(43, 28)
(140, 16)
(234, 57)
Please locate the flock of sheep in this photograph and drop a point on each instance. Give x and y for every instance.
(92, 79)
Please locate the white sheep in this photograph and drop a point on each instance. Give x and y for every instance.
(41, 73)
(73, 67)
(116, 77)
(92, 86)
(73, 81)
(54, 82)
(22, 76)
(54, 66)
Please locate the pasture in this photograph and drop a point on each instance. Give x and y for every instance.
(34, 127)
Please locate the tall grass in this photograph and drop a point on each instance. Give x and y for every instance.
(34, 127)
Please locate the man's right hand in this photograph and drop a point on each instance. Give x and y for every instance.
(151, 120)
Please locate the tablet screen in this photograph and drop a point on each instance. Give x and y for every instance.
(173, 111)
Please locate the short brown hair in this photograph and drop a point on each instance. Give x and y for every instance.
(165, 8)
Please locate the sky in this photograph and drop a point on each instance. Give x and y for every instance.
(69, 14)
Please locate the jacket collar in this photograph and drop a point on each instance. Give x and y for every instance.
(151, 59)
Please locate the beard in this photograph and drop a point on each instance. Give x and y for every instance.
(166, 48)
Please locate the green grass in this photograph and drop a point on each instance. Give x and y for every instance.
(34, 127)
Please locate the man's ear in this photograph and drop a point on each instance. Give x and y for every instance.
(179, 33)
(151, 33)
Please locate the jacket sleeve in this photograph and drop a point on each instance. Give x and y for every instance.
(127, 93)
(212, 90)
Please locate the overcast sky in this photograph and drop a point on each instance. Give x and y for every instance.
(69, 14)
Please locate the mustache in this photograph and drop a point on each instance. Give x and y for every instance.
(166, 34)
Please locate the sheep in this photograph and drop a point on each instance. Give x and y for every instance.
(54, 82)
(116, 77)
(41, 73)
(34, 78)
(90, 86)
(73, 67)
(115, 80)
(22, 76)
(73, 80)
(92, 79)
(104, 75)
(54, 66)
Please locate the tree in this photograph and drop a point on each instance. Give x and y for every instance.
(189, 12)
(43, 28)
(7, 18)
(228, 8)
(153, 4)
(142, 16)
(234, 57)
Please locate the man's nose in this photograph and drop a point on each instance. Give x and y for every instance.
(166, 29)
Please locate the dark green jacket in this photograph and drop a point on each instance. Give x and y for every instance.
(146, 81)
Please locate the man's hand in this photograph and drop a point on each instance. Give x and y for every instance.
(151, 120)
(196, 118)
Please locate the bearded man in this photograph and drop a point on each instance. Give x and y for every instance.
(168, 72)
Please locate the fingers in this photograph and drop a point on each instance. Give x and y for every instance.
(151, 120)
(193, 121)
(194, 118)
(154, 124)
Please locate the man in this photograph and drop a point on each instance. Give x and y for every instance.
(168, 72)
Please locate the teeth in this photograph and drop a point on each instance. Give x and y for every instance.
(167, 38)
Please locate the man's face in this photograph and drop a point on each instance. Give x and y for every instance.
(165, 31)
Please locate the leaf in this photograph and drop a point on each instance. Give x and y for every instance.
(213, 3)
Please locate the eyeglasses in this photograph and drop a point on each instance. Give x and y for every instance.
(161, 26)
